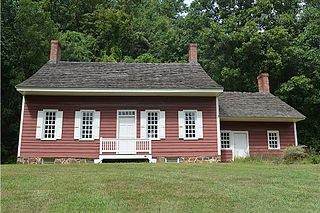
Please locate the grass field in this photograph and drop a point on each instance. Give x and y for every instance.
(234, 187)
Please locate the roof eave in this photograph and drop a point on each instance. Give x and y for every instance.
(212, 92)
(262, 119)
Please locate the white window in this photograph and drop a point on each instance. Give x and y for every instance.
(152, 124)
(273, 139)
(87, 125)
(126, 112)
(49, 124)
(225, 140)
(49, 131)
(190, 124)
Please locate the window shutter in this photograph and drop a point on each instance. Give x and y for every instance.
(59, 125)
(162, 125)
(143, 124)
(181, 124)
(77, 121)
(39, 125)
(199, 125)
(96, 125)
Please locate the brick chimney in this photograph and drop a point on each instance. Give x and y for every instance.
(55, 52)
(263, 82)
(193, 53)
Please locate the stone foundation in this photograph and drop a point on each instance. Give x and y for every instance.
(160, 159)
(209, 159)
(38, 160)
(29, 160)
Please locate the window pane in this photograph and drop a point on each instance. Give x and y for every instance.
(190, 124)
(87, 125)
(225, 140)
(273, 139)
(49, 125)
(152, 124)
(126, 113)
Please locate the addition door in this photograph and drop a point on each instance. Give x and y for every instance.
(241, 144)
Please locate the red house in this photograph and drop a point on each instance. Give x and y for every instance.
(174, 112)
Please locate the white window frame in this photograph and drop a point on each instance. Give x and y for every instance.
(158, 125)
(295, 134)
(43, 125)
(218, 125)
(135, 119)
(230, 140)
(195, 125)
(278, 139)
(81, 112)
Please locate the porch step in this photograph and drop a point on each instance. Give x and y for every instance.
(114, 157)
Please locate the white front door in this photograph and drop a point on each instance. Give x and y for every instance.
(127, 130)
(127, 127)
(240, 144)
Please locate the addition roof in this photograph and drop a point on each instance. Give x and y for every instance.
(120, 75)
(246, 105)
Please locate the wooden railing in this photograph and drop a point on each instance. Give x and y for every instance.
(125, 146)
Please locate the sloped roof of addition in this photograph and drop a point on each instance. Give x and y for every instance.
(246, 105)
(120, 75)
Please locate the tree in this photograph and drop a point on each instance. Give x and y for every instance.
(239, 40)
(78, 46)
(27, 31)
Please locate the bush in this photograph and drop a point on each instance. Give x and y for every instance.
(295, 153)
(258, 158)
(299, 154)
(315, 157)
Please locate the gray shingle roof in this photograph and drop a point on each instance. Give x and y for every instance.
(245, 104)
(120, 75)
(157, 76)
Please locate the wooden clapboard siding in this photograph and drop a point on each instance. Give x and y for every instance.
(108, 106)
(226, 155)
(258, 141)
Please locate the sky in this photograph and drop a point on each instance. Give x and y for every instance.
(188, 2)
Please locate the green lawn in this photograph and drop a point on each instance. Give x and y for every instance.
(234, 187)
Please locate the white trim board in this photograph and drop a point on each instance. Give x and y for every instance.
(295, 134)
(218, 126)
(260, 119)
(119, 92)
(21, 125)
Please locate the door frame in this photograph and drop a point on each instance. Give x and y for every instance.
(233, 141)
(135, 120)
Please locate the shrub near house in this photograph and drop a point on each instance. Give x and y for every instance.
(73, 111)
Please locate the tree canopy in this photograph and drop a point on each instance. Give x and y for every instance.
(237, 41)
